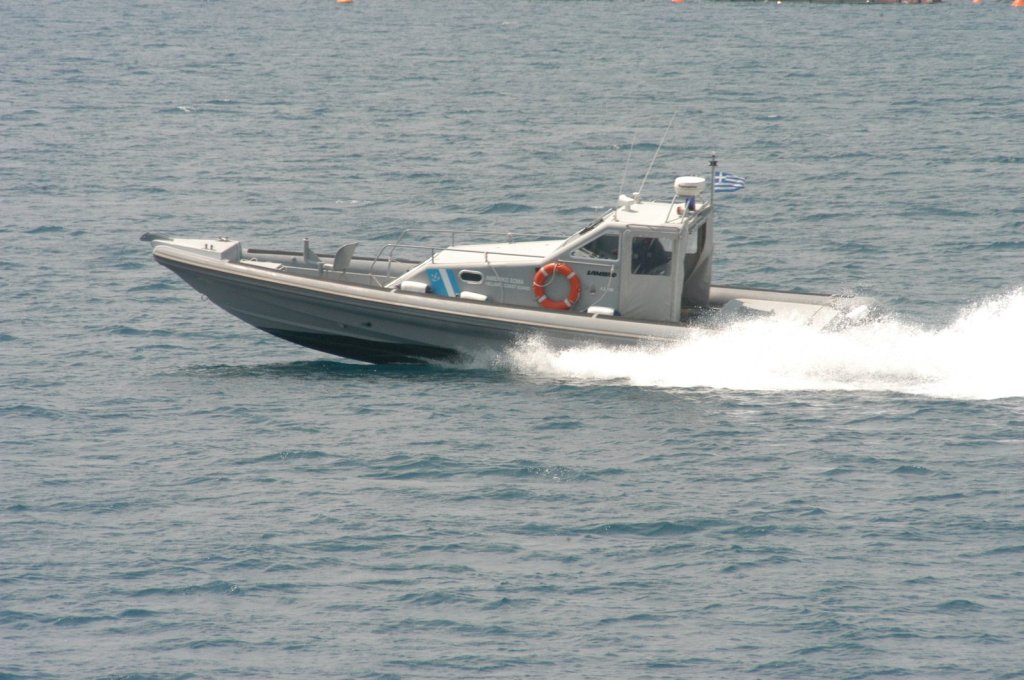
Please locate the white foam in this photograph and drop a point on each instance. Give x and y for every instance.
(978, 356)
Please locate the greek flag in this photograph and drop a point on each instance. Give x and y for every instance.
(726, 182)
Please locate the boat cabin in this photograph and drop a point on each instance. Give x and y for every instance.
(642, 260)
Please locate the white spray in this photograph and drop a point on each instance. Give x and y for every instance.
(978, 356)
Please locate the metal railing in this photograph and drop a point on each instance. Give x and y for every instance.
(386, 254)
(387, 251)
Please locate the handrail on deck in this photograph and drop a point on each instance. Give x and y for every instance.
(389, 248)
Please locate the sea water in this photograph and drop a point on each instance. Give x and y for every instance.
(182, 496)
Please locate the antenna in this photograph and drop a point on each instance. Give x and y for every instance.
(656, 151)
(622, 184)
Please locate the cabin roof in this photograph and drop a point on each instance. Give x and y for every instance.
(520, 252)
(652, 214)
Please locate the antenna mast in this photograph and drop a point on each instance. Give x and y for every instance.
(656, 151)
(622, 184)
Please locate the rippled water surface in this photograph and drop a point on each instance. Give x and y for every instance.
(184, 497)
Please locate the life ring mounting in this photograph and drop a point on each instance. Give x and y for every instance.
(545, 275)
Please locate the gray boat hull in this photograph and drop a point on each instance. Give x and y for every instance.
(390, 326)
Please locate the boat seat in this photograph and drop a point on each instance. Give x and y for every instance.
(344, 256)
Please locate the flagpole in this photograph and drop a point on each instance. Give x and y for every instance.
(714, 164)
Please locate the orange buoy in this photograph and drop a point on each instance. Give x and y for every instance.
(344, 2)
(678, 1)
(975, 2)
(1017, 3)
(545, 275)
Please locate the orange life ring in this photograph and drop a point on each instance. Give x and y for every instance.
(545, 275)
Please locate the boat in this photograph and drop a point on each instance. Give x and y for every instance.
(640, 273)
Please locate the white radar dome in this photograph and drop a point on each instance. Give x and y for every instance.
(688, 186)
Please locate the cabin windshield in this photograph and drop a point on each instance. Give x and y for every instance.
(604, 247)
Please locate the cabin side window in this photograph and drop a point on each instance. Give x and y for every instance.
(652, 256)
(604, 247)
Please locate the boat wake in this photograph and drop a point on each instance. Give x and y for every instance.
(977, 356)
